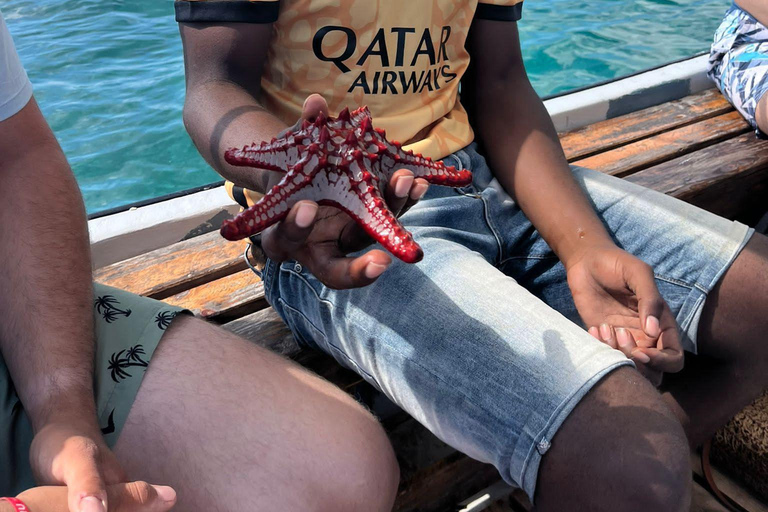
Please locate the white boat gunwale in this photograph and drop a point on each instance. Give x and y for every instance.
(142, 229)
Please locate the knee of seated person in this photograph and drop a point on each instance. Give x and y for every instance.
(651, 473)
(620, 449)
(761, 114)
(365, 471)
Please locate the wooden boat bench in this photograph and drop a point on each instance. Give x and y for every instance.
(696, 148)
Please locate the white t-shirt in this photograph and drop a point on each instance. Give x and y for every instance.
(15, 87)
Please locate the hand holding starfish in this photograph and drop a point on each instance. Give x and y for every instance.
(320, 237)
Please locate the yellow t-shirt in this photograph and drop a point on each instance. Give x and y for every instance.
(403, 59)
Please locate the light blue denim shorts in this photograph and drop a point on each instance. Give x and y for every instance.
(480, 341)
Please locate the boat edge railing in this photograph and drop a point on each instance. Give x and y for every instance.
(126, 231)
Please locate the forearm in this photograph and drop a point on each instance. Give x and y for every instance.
(525, 153)
(220, 115)
(46, 320)
(526, 156)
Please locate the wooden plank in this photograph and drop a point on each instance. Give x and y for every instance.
(723, 178)
(227, 298)
(266, 329)
(170, 270)
(434, 476)
(703, 501)
(497, 497)
(612, 133)
(445, 485)
(729, 486)
(179, 267)
(660, 148)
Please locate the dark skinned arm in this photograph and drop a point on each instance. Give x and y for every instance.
(615, 292)
(224, 62)
(223, 65)
(522, 144)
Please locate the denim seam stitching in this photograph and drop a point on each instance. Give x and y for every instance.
(330, 305)
(486, 214)
(306, 283)
(686, 322)
(302, 315)
(353, 363)
(528, 257)
(675, 281)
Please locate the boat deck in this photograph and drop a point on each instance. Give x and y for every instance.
(696, 148)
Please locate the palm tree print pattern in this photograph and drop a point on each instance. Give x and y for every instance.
(164, 318)
(120, 361)
(106, 306)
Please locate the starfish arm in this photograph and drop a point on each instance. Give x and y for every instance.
(435, 173)
(275, 204)
(339, 162)
(392, 157)
(387, 230)
(366, 206)
(278, 155)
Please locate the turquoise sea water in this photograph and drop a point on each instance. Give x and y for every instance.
(109, 75)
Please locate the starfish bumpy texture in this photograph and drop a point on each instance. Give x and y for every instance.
(343, 162)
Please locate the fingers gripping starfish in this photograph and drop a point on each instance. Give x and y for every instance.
(343, 162)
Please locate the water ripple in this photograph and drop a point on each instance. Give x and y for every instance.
(109, 75)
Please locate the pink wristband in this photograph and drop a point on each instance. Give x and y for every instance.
(17, 504)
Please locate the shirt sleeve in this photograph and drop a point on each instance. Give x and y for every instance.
(499, 10)
(15, 87)
(227, 11)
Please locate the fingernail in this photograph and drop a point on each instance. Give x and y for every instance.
(605, 332)
(419, 191)
(594, 332)
(652, 328)
(403, 186)
(92, 504)
(305, 215)
(373, 270)
(641, 356)
(622, 336)
(165, 493)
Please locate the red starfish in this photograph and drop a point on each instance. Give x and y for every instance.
(342, 162)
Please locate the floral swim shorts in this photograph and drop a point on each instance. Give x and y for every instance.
(738, 62)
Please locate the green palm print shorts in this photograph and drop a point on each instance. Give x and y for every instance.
(128, 329)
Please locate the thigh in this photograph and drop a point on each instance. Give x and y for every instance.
(688, 248)
(234, 427)
(463, 348)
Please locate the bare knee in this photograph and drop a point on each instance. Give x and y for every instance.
(367, 474)
(761, 114)
(263, 429)
(621, 449)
